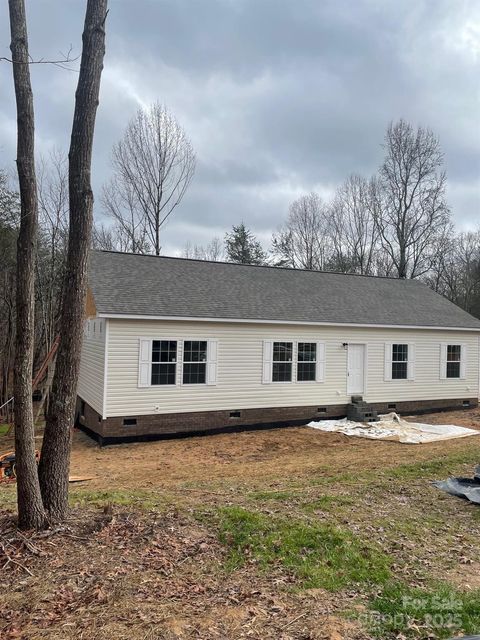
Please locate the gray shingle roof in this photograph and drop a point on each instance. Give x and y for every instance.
(160, 286)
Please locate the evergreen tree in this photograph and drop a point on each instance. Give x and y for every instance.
(242, 247)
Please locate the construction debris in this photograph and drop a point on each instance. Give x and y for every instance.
(8, 469)
(467, 488)
(391, 426)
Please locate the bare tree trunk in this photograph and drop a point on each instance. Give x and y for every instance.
(30, 508)
(55, 459)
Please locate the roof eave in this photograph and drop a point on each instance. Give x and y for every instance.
(127, 316)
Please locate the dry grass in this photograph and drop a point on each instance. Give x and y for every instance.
(292, 534)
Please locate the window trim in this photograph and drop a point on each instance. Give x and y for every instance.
(267, 361)
(388, 361)
(292, 362)
(143, 362)
(444, 361)
(404, 361)
(193, 384)
(211, 368)
(152, 363)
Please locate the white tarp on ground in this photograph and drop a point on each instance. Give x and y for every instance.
(392, 427)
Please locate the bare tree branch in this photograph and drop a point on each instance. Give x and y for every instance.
(412, 214)
(153, 166)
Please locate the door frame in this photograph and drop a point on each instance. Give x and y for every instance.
(365, 367)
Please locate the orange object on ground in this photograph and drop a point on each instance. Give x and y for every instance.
(8, 471)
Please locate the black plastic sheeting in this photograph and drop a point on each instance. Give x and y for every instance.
(467, 488)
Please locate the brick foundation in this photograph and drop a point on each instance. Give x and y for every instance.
(155, 426)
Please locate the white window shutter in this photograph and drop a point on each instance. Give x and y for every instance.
(212, 351)
(267, 361)
(463, 361)
(411, 362)
(443, 361)
(144, 362)
(320, 368)
(388, 361)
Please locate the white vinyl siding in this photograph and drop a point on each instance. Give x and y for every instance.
(244, 359)
(92, 364)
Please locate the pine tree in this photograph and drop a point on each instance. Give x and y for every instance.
(242, 247)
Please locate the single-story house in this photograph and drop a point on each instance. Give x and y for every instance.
(175, 346)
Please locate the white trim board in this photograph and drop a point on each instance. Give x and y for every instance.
(105, 371)
(126, 316)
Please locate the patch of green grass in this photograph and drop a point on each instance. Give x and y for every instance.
(440, 612)
(83, 497)
(442, 466)
(140, 499)
(328, 503)
(320, 555)
(4, 429)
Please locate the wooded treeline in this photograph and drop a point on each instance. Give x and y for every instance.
(395, 223)
(52, 189)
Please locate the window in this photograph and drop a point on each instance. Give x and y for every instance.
(306, 361)
(399, 361)
(194, 362)
(454, 357)
(164, 362)
(282, 361)
(160, 362)
(279, 357)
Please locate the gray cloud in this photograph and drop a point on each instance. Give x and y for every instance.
(278, 97)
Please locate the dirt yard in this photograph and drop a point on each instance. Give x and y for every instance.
(285, 534)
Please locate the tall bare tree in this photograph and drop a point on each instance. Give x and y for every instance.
(304, 240)
(412, 214)
(31, 513)
(352, 226)
(153, 165)
(55, 458)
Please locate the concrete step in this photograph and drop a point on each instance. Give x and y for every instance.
(361, 413)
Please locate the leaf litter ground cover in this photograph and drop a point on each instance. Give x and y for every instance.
(288, 534)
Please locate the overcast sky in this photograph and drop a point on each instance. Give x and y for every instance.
(279, 97)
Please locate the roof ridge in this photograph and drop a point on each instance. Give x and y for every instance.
(258, 266)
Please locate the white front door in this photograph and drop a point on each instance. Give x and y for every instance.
(356, 369)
